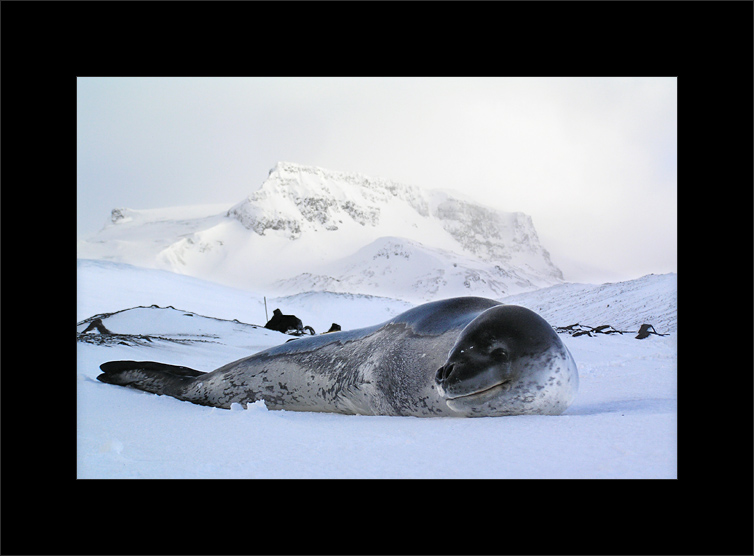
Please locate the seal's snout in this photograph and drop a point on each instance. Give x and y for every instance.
(443, 373)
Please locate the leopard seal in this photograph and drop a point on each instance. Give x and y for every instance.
(458, 357)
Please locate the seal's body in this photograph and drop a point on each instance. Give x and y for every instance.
(465, 356)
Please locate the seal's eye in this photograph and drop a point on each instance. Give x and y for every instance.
(499, 354)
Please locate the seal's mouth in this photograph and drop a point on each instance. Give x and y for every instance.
(485, 393)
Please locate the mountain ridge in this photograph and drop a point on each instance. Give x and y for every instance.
(305, 222)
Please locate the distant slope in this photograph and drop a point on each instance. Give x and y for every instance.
(404, 269)
(651, 299)
(106, 287)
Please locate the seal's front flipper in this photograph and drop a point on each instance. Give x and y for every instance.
(150, 376)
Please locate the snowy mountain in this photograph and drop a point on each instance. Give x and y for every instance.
(310, 229)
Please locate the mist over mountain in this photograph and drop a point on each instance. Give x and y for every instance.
(311, 229)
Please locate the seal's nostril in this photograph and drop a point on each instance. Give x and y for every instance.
(443, 373)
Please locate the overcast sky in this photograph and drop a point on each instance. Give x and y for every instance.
(592, 160)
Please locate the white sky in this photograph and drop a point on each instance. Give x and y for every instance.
(592, 160)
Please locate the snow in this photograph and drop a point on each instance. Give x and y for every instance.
(622, 424)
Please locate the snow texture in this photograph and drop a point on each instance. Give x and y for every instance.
(622, 424)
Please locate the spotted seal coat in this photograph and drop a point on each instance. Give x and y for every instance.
(465, 356)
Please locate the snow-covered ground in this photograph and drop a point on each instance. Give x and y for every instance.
(622, 424)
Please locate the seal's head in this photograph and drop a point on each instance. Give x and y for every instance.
(508, 361)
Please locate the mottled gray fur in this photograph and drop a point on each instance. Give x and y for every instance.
(387, 369)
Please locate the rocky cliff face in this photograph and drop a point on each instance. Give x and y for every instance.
(295, 198)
